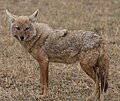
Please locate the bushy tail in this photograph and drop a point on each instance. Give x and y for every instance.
(103, 65)
(104, 84)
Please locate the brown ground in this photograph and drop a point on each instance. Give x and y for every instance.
(19, 72)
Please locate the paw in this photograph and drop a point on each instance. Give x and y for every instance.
(93, 98)
(102, 97)
(90, 98)
(44, 95)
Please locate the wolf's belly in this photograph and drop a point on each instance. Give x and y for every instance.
(63, 58)
(67, 55)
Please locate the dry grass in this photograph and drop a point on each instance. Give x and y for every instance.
(19, 72)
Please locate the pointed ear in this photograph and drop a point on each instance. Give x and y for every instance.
(33, 17)
(11, 16)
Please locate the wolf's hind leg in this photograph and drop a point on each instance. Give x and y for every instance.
(88, 61)
(96, 93)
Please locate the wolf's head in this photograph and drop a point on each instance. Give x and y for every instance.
(22, 26)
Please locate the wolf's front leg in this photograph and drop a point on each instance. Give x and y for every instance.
(42, 58)
(44, 78)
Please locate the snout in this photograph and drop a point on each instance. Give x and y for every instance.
(22, 38)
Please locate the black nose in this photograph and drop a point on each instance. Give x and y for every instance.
(21, 38)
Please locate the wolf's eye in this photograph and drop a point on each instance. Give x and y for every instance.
(18, 28)
(27, 28)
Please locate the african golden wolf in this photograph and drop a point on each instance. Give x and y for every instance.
(46, 45)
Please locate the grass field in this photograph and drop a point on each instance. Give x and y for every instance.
(19, 72)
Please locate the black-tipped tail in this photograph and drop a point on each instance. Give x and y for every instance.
(106, 86)
(104, 83)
